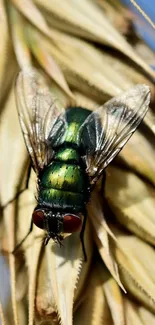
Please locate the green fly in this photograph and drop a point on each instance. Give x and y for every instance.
(70, 149)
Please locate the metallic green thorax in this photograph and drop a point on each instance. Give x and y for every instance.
(63, 183)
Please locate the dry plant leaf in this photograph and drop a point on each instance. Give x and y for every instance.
(146, 316)
(84, 101)
(101, 234)
(46, 61)
(12, 145)
(2, 318)
(8, 312)
(91, 61)
(113, 296)
(118, 15)
(18, 37)
(132, 318)
(62, 263)
(145, 52)
(123, 67)
(45, 303)
(87, 20)
(139, 155)
(75, 70)
(9, 220)
(30, 11)
(47, 292)
(86, 266)
(7, 61)
(94, 70)
(33, 254)
(32, 247)
(94, 309)
(86, 74)
(136, 261)
(138, 312)
(98, 77)
(4, 41)
(150, 121)
(21, 273)
(22, 312)
(45, 322)
(132, 201)
(148, 262)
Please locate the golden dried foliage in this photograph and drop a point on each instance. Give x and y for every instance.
(80, 50)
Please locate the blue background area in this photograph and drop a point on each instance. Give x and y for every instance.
(144, 29)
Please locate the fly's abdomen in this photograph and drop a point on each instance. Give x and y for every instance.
(62, 185)
(60, 199)
(63, 176)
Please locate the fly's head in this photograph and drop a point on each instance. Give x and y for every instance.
(56, 224)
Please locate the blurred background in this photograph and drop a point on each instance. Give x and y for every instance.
(142, 26)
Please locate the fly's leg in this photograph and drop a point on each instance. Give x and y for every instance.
(20, 192)
(22, 241)
(82, 236)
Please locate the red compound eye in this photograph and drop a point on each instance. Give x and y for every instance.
(38, 218)
(71, 223)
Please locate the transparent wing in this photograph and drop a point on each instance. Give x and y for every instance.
(42, 122)
(106, 131)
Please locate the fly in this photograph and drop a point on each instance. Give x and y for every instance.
(70, 149)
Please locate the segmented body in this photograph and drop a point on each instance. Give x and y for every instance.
(64, 184)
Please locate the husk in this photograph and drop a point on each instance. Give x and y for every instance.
(146, 316)
(4, 42)
(7, 61)
(136, 268)
(90, 23)
(132, 201)
(2, 315)
(101, 235)
(64, 262)
(47, 62)
(21, 49)
(132, 317)
(94, 309)
(139, 155)
(113, 296)
(12, 146)
(106, 80)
